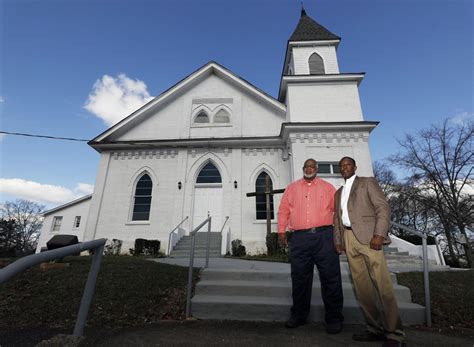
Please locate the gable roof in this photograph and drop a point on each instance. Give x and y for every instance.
(210, 68)
(68, 204)
(309, 30)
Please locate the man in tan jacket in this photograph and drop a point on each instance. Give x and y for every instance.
(361, 223)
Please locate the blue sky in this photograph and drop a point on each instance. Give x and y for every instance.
(57, 57)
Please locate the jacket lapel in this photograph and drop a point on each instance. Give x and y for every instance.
(353, 193)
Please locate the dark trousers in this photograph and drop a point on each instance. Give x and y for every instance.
(309, 249)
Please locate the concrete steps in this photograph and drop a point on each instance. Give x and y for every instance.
(263, 293)
(242, 294)
(257, 308)
(183, 247)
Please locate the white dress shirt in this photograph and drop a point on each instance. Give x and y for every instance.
(346, 190)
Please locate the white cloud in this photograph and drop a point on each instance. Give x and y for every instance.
(84, 188)
(461, 118)
(2, 100)
(42, 193)
(112, 99)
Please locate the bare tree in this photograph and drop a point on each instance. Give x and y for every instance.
(386, 177)
(443, 158)
(28, 222)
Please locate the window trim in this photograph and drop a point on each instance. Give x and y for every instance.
(322, 61)
(53, 224)
(134, 190)
(75, 222)
(272, 198)
(331, 165)
(202, 112)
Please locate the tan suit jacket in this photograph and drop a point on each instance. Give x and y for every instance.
(368, 209)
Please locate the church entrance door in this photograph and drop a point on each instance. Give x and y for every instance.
(208, 197)
(207, 200)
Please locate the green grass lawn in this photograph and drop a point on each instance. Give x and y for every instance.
(452, 297)
(130, 291)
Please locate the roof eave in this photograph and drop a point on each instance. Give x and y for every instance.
(344, 77)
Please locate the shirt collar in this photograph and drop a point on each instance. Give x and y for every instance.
(349, 181)
(303, 181)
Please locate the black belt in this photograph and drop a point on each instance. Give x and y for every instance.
(347, 228)
(314, 229)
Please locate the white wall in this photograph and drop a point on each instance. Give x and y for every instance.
(323, 102)
(248, 116)
(301, 57)
(171, 205)
(69, 214)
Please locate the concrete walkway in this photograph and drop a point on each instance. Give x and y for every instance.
(236, 333)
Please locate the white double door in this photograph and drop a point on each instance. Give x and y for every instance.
(208, 200)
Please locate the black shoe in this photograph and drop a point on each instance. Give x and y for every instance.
(334, 328)
(368, 336)
(294, 323)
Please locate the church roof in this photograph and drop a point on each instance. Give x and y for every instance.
(210, 68)
(308, 30)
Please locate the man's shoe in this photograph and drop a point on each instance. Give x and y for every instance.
(368, 336)
(393, 343)
(334, 328)
(294, 323)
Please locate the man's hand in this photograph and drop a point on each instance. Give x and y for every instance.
(282, 239)
(340, 249)
(376, 242)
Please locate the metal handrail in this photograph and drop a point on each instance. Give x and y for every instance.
(222, 238)
(426, 270)
(191, 260)
(172, 231)
(97, 245)
(223, 225)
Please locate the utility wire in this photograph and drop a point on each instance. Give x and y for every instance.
(43, 136)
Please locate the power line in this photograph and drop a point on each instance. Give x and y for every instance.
(43, 136)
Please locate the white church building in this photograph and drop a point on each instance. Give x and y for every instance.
(204, 143)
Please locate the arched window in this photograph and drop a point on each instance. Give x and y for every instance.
(142, 198)
(202, 117)
(261, 205)
(222, 117)
(209, 174)
(316, 64)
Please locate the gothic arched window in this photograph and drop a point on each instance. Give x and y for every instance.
(222, 117)
(202, 117)
(142, 198)
(209, 174)
(316, 64)
(260, 204)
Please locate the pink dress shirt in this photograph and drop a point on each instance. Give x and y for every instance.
(306, 205)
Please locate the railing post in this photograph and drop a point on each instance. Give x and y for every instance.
(190, 275)
(208, 242)
(426, 279)
(88, 292)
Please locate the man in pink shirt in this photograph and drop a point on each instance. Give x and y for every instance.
(307, 208)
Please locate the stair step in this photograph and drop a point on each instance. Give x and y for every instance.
(257, 308)
(259, 275)
(280, 289)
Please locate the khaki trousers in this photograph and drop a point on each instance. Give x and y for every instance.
(373, 288)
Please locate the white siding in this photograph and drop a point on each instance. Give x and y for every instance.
(67, 224)
(301, 57)
(324, 102)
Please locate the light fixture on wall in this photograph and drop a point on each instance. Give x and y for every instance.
(235, 184)
(179, 185)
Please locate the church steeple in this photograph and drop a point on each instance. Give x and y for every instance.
(312, 86)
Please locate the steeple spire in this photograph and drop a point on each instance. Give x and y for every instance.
(303, 12)
(308, 30)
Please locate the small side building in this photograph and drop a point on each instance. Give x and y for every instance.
(67, 219)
